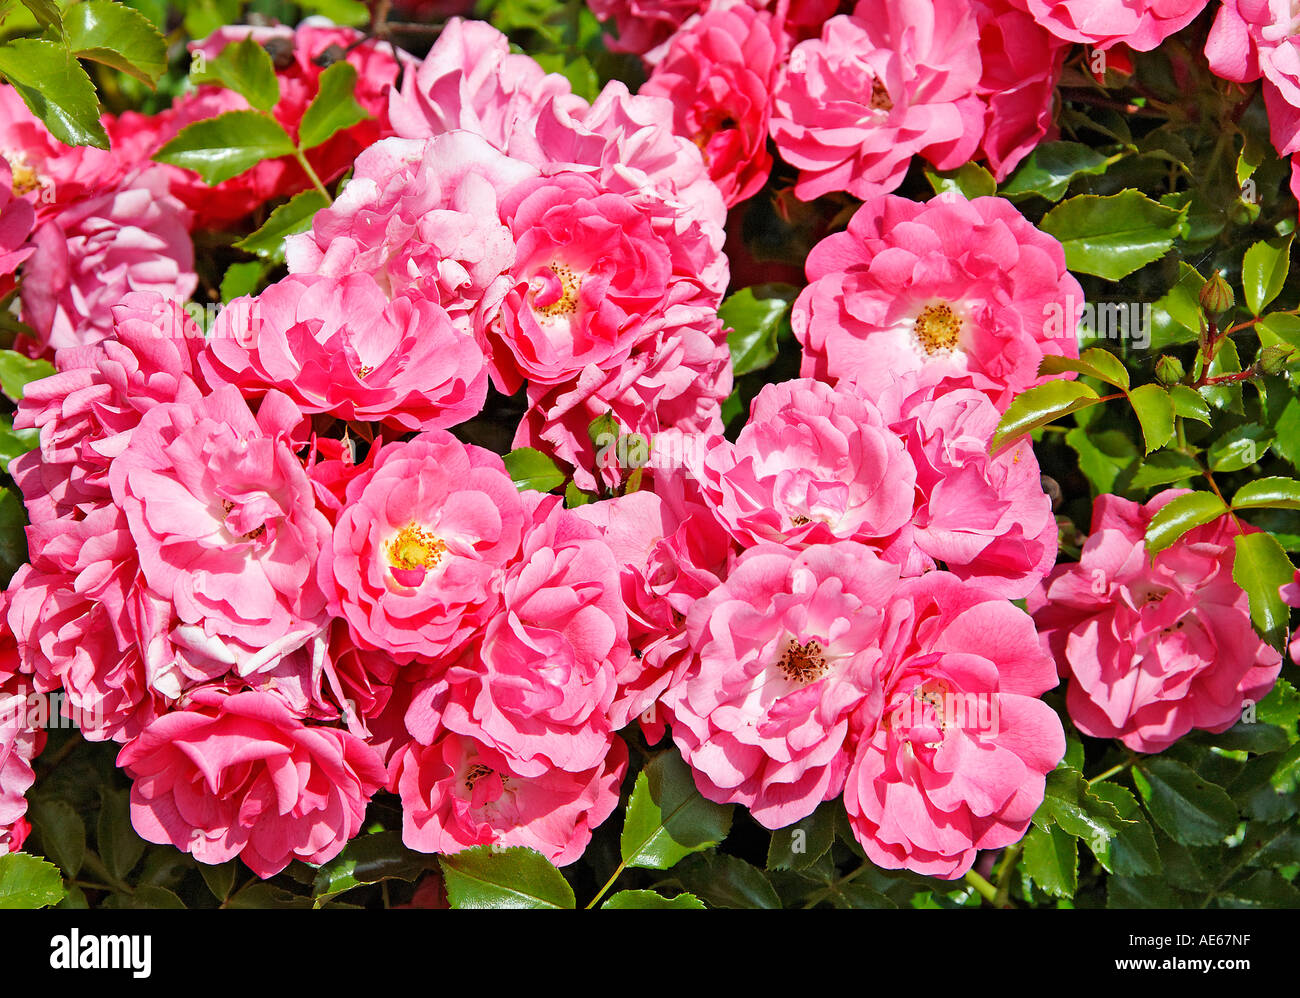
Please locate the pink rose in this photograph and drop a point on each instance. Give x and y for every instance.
(225, 520)
(242, 776)
(538, 681)
(340, 346)
(417, 554)
(1139, 24)
(719, 75)
(786, 650)
(16, 221)
(1153, 649)
(965, 290)
(956, 760)
(895, 79)
(458, 793)
(19, 744)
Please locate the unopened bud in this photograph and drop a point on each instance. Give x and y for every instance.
(1169, 370)
(1274, 359)
(1216, 295)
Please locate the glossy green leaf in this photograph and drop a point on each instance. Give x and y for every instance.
(724, 881)
(1155, 413)
(1100, 364)
(488, 877)
(55, 88)
(1189, 404)
(1260, 567)
(246, 68)
(1263, 272)
(1132, 852)
(334, 107)
(1113, 236)
(1165, 468)
(367, 859)
(1239, 448)
(63, 833)
(1051, 858)
(1274, 492)
(667, 817)
(117, 36)
(970, 180)
(1048, 170)
(225, 146)
(1039, 406)
(756, 318)
(28, 882)
(531, 469)
(1190, 809)
(18, 370)
(652, 901)
(290, 218)
(1180, 515)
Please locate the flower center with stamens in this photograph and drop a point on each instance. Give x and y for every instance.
(475, 773)
(415, 548)
(556, 294)
(880, 99)
(26, 179)
(802, 663)
(938, 329)
(253, 534)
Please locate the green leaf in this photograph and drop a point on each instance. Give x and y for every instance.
(1281, 706)
(13, 536)
(1068, 803)
(667, 818)
(334, 107)
(1051, 857)
(1164, 468)
(220, 878)
(367, 859)
(225, 146)
(1039, 406)
(1239, 448)
(803, 843)
(290, 218)
(1191, 810)
(1189, 404)
(1096, 362)
(261, 895)
(1263, 272)
(531, 469)
(246, 68)
(1226, 361)
(756, 319)
(652, 900)
(117, 36)
(858, 896)
(55, 88)
(1277, 493)
(1132, 852)
(1103, 455)
(1155, 412)
(1260, 568)
(63, 833)
(14, 443)
(46, 12)
(242, 279)
(17, 371)
(1279, 328)
(347, 13)
(488, 877)
(1142, 893)
(724, 881)
(1048, 170)
(1180, 515)
(970, 180)
(1112, 236)
(117, 843)
(28, 882)
(1176, 318)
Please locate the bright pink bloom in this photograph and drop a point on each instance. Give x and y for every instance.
(225, 519)
(422, 217)
(956, 760)
(1139, 24)
(1153, 650)
(895, 79)
(87, 412)
(339, 346)
(966, 290)
(242, 776)
(786, 650)
(644, 27)
(986, 519)
(16, 221)
(537, 684)
(593, 279)
(1022, 64)
(458, 793)
(20, 742)
(415, 561)
(719, 75)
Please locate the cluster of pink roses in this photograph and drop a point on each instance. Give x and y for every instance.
(263, 565)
